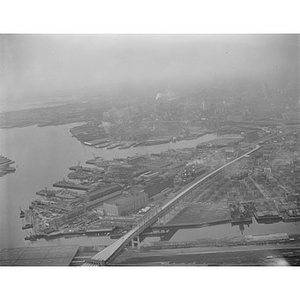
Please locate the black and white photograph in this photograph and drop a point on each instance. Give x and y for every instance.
(150, 150)
(140, 150)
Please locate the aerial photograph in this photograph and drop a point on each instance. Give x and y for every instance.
(149, 150)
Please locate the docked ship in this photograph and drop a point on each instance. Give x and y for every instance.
(70, 185)
(79, 175)
(112, 146)
(156, 142)
(22, 214)
(31, 237)
(46, 193)
(128, 145)
(103, 145)
(27, 226)
(139, 144)
(65, 194)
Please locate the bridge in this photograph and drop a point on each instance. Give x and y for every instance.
(108, 254)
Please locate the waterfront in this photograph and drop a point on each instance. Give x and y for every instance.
(43, 156)
(229, 231)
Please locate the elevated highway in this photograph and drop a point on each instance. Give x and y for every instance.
(110, 252)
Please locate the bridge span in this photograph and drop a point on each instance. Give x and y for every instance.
(110, 252)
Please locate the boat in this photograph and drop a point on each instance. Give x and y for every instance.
(102, 145)
(31, 237)
(112, 146)
(128, 145)
(27, 226)
(46, 193)
(70, 185)
(156, 142)
(22, 214)
(139, 144)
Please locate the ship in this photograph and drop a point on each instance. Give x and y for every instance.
(157, 142)
(46, 193)
(22, 214)
(139, 144)
(31, 237)
(128, 145)
(112, 146)
(27, 226)
(102, 145)
(63, 194)
(70, 185)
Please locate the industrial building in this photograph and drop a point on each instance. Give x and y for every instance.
(126, 204)
(158, 184)
(99, 193)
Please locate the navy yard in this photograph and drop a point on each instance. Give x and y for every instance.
(108, 197)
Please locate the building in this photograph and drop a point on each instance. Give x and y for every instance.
(102, 192)
(126, 204)
(158, 184)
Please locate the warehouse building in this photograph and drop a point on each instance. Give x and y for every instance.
(102, 192)
(126, 204)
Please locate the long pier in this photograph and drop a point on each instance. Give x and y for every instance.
(105, 256)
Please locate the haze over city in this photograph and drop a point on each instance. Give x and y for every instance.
(42, 67)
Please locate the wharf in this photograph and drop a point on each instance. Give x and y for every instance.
(56, 235)
(241, 221)
(70, 185)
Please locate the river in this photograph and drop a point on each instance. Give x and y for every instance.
(43, 156)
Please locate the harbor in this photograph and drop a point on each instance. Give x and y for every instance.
(74, 210)
(31, 176)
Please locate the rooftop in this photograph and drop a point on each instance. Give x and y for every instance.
(38, 256)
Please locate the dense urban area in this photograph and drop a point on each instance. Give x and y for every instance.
(110, 197)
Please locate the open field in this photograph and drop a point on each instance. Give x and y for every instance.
(201, 213)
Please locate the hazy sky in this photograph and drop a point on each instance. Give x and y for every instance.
(48, 65)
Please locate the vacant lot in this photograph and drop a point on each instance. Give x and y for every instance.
(202, 213)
